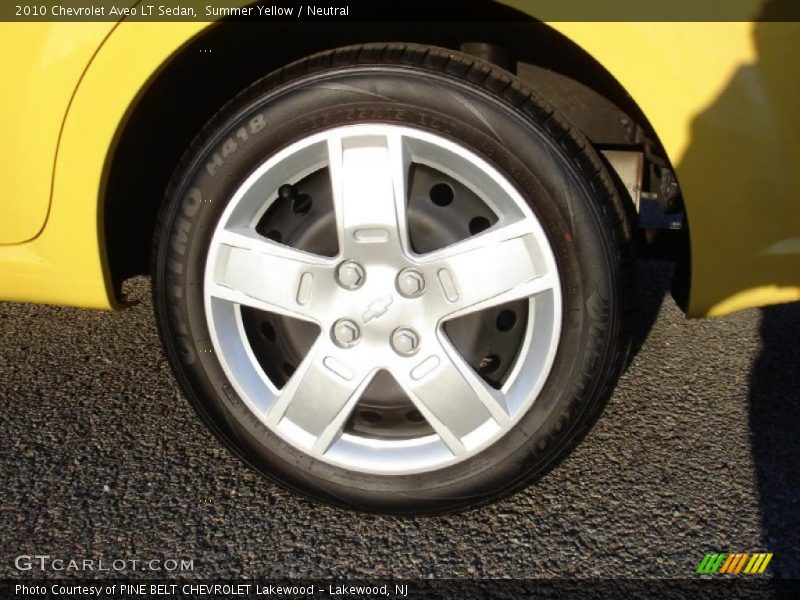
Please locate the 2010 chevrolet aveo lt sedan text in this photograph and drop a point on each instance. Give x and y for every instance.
(397, 275)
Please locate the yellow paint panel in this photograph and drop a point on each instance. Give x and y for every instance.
(40, 67)
(724, 99)
(65, 264)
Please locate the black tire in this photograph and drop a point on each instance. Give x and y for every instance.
(500, 119)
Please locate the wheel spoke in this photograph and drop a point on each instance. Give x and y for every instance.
(368, 178)
(490, 269)
(320, 396)
(257, 272)
(451, 396)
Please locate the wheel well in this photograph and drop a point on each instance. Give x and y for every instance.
(212, 68)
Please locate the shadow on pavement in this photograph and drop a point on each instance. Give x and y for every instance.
(774, 427)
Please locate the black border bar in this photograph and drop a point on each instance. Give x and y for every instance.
(401, 10)
(715, 587)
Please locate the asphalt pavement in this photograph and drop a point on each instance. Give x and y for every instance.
(698, 451)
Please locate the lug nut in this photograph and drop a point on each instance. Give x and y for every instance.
(345, 333)
(350, 275)
(410, 283)
(405, 341)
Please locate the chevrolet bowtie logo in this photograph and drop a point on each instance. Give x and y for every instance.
(377, 308)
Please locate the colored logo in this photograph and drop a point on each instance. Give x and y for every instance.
(733, 564)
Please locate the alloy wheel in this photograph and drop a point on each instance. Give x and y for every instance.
(357, 287)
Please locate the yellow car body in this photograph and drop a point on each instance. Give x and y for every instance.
(724, 99)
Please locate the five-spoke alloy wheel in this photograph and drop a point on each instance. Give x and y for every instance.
(380, 306)
(390, 283)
